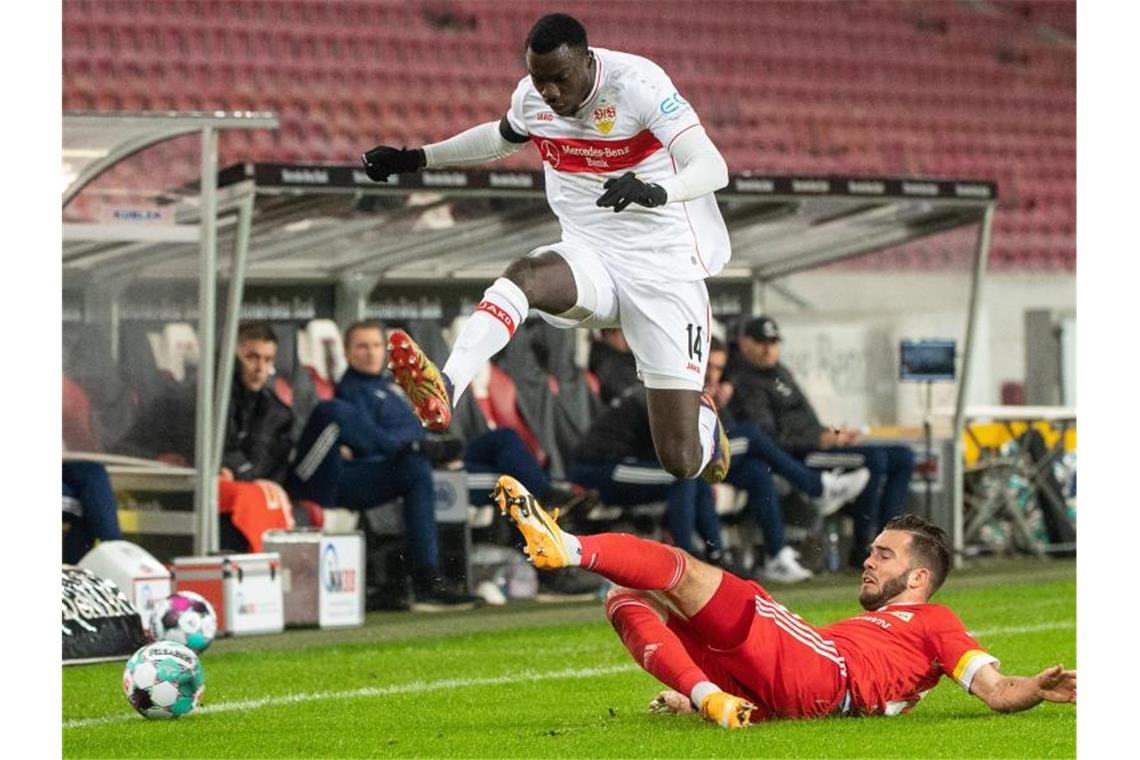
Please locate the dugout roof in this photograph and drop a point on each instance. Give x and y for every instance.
(329, 222)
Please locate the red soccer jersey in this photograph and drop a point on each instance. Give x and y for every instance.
(897, 653)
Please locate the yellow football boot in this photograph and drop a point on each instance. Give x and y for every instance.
(730, 712)
(544, 543)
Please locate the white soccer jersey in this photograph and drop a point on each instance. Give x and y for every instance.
(627, 123)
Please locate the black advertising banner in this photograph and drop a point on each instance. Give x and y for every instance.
(349, 177)
(99, 622)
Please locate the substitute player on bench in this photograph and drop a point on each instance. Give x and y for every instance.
(613, 133)
(727, 649)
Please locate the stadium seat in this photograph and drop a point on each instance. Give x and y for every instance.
(870, 87)
(175, 348)
(78, 422)
(500, 406)
(321, 351)
(284, 390)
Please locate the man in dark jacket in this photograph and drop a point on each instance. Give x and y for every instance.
(258, 424)
(766, 393)
(365, 448)
(257, 445)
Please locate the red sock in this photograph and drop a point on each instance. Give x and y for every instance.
(633, 562)
(654, 647)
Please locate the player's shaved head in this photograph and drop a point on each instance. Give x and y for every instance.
(560, 63)
(554, 30)
(928, 547)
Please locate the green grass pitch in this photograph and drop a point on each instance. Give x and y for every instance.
(534, 680)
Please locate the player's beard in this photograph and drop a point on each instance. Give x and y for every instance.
(888, 590)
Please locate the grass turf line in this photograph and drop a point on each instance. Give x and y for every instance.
(461, 695)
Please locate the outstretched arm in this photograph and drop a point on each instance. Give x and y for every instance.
(1015, 693)
(486, 142)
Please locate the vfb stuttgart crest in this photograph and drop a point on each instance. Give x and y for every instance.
(604, 118)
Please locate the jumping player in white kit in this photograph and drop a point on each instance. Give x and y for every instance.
(630, 173)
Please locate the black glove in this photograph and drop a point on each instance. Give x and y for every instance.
(627, 189)
(384, 160)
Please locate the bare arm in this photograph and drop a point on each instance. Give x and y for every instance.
(1009, 694)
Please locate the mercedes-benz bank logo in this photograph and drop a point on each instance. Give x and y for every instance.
(550, 153)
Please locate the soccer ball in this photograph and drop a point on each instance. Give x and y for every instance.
(163, 680)
(186, 618)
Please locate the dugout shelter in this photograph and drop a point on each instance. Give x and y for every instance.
(312, 236)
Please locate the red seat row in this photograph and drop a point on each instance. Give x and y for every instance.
(939, 89)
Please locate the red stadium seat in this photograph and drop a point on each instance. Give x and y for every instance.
(283, 389)
(321, 352)
(502, 405)
(78, 422)
(801, 87)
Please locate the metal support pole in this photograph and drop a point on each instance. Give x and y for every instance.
(981, 258)
(352, 292)
(205, 486)
(759, 296)
(229, 330)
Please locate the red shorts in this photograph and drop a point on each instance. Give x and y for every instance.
(753, 647)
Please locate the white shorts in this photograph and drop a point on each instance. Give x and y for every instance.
(665, 323)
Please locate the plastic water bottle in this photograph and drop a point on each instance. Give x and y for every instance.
(832, 557)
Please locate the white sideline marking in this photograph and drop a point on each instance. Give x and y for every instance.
(372, 691)
(416, 687)
(1027, 628)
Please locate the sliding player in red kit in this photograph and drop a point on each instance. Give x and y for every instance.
(725, 648)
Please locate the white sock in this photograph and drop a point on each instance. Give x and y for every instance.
(498, 315)
(706, 422)
(573, 547)
(702, 690)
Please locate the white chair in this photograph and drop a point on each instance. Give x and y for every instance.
(175, 348)
(320, 350)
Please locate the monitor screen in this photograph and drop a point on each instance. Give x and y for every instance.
(926, 360)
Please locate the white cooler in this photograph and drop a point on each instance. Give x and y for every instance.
(322, 576)
(134, 570)
(245, 590)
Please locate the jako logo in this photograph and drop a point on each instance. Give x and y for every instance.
(333, 578)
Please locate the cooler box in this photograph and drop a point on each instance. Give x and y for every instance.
(245, 590)
(322, 575)
(134, 570)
